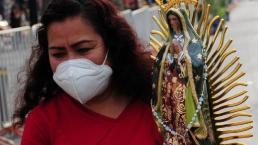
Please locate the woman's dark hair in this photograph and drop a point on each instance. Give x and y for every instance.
(174, 14)
(131, 70)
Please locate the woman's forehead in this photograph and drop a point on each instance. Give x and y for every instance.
(71, 30)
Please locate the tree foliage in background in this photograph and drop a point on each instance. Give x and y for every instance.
(219, 7)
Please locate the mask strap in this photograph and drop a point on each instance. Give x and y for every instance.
(105, 57)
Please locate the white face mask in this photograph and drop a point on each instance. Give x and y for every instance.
(82, 79)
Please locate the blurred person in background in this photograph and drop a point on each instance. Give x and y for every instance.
(18, 16)
(1, 8)
(15, 18)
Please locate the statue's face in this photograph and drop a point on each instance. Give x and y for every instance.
(174, 21)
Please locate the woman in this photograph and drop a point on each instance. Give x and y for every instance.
(87, 82)
(181, 91)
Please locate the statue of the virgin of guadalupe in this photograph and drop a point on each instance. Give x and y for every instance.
(183, 83)
(183, 94)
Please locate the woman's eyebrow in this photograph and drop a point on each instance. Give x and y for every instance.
(56, 48)
(75, 44)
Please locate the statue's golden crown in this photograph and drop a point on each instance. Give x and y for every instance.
(172, 3)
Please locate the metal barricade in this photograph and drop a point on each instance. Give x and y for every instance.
(3, 102)
(15, 48)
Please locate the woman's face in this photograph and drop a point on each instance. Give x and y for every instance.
(173, 21)
(74, 38)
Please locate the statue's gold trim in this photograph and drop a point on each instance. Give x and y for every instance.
(173, 3)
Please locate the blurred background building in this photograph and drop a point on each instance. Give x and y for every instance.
(27, 12)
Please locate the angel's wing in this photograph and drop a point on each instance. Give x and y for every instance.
(226, 92)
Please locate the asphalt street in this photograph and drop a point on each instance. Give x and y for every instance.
(243, 29)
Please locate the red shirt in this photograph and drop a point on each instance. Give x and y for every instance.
(64, 121)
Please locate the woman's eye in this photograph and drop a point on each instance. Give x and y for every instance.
(83, 50)
(58, 55)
